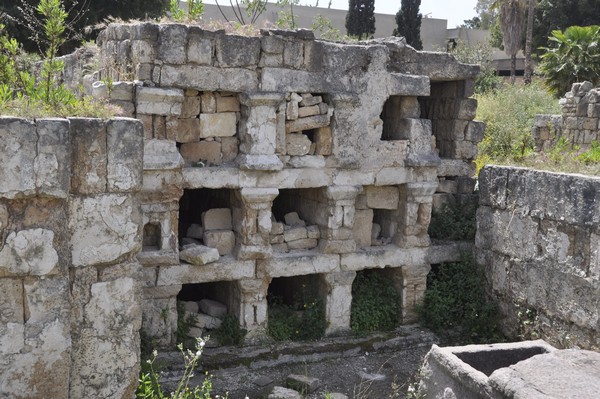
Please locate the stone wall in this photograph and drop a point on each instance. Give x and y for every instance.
(282, 156)
(70, 228)
(538, 240)
(579, 121)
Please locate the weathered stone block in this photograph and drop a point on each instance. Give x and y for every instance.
(382, 197)
(293, 219)
(199, 50)
(199, 255)
(313, 231)
(323, 141)
(302, 383)
(159, 101)
(29, 252)
(227, 103)
(209, 151)
(217, 219)
(297, 144)
(212, 308)
(229, 148)
(295, 233)
(304, 112)
(218, 125)
(190, 107)
(125, 144)
(236, 51)
(277, 228)
(291, 110)
(52, 166)
(184, 130)
(88, 157)
(303, 243)
(311, 122)
(222, 240)
(172, 40)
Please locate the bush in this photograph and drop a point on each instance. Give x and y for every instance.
(230, 332)
(375, 303)
(509, 113)
(481, 54)
(573, 56)
(454, 222)
(303, 320)
(456, 306)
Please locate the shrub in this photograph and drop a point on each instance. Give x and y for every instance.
(454, 222)
(573, 56)
(456, 306)
(303, 320)
(375, 303)
(481, 54)
(509, 113)
(230, 332)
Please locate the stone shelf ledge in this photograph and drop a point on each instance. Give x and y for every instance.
(225, 269)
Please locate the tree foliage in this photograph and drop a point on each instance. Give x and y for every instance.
(512, 14)
(408, 21)
(572, 56)
(360, 19)
(81, 14)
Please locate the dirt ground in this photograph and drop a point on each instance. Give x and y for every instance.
(373, 367)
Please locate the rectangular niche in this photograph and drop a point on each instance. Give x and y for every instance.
(376, 300)
(396, 111)
(206, 217)
(376, 216)
(206, 131)
(307, 118)
(296, 215)
(207, 304)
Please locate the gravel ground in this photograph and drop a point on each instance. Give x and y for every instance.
(374, 367)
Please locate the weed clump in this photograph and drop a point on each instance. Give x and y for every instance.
(303, 320)
(454, 222)
(375, 303)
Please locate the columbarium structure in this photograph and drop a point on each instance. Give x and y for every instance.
(282, 158)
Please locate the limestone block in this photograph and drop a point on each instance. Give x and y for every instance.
(293, 219)
(295, 233)
(159, 101)
(148, 125)
(11, 308)
(209, 78)
(105, 357)
(125, 143)
(264, 221)
(304, 112)
(467, 108)
(272, 44)
(122, 91)
(474, 131)
(208, 103)
(303, 243)
(190, 306)
(283, 247)
(199, 255)
(104, 228)
(229, 148)
(199, 50)
(217, 219)
(227, 104)
(323, 140)
(259, 162)
(184, 130)
(209, 151)
(294, 264)
(190, 107)
(447, 186)
(284, 393)
(161, 155)
(88, 138)
(172, 40)
(277, 239)
(143, 51)
(307, 161)
(311, 122)
(29, 252)
(52, 166)
(308, 100)
(99, 90)
(313, 231)
(291, 110)
(381, 197)
(297, 144)
(206, 321)
(293, 54)
(195, 231)
(236, 51)
(218, 125)
(212, 308)
(277, 228)
(271, 60)
(222, 240)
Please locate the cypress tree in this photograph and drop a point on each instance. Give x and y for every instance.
(408, 21)
(360, 19)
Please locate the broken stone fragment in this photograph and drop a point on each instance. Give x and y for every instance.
(302, 383)
(190, 306)
(199, 255)
(309, 100)
(375, 231)
(222, 240)
(195, 231)
(217, 219)
(284, 393)
(303, 243)
(295, 233)
(276, 228)
(313, 231)
(206, 321)
(293, 219)
(212, 308)
(291, 111)
(297, 144)
(303, 112)
(311, 122)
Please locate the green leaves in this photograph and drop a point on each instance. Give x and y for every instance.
(572, 56)
(375, 303)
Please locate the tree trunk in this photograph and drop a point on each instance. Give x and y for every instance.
(528, 43)
(513, 68)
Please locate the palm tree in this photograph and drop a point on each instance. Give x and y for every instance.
(512, 21)
(528, 41)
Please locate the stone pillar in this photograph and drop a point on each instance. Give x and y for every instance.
(414, 282)
(258, 131)
(415, 214)
(338, 301)
(253, 225)
(336, 235)
(159, 314)
(253, 306)
(345, 120)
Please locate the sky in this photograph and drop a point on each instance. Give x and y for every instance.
(455, 11)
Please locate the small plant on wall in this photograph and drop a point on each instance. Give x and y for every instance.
(375, 303)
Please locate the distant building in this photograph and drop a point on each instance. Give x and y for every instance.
(434, 32)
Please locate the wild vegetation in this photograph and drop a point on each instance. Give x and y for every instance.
(375, 303)
(408, 23)
(303, 319)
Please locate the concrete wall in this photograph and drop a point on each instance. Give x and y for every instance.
(537, 238)
(70, 228)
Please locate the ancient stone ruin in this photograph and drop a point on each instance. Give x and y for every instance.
(256, 162)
